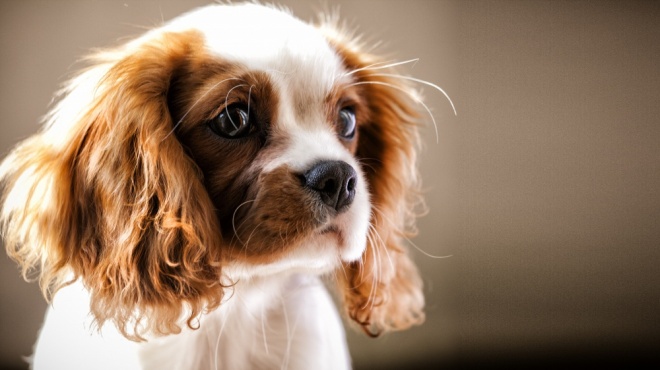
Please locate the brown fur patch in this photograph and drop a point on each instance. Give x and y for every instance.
(120, 206)
(282, 215)
(223, 162)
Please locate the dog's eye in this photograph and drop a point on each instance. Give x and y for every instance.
(232, 123)
(346, 123)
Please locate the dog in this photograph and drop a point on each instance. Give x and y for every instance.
(190, 188)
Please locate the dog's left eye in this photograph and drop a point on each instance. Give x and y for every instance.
(232, 123)
(346, 123)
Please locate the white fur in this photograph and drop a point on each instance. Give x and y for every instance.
(277, 316)
(288, 322)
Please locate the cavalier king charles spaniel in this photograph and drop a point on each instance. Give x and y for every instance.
(191, 186)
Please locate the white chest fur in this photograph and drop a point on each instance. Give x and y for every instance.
(287, 322)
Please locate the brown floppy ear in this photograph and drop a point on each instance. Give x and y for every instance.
(105, 193)
(383, 290)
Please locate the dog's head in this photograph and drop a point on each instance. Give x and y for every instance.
(235, 141)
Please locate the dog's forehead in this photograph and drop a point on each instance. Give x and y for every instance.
(267, 39)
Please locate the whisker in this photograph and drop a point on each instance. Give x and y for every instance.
(379, 269)
(249, 98)
(381, 65)
(371, 242)
(423, 82)
(410, 241)
(382, 242)
(233, 219)
(364, 162)
(227, 106)
(245, 246)
(375, 276)
(412, 96)
(427, 254)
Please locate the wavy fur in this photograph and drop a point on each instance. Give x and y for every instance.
(118, 204)
(126, 190)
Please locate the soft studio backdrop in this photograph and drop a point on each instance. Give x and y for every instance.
(544, 188)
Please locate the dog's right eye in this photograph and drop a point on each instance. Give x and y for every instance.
(233, 122)
(347, 123)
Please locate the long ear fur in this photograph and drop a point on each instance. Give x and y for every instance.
(383, 290)
(105, 194)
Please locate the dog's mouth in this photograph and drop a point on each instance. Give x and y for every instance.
(284, 217)
(334, 231)
(330, 229)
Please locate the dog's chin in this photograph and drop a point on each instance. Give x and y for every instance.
(348, 245)
(321, 252)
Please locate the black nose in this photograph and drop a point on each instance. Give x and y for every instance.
(334, 181)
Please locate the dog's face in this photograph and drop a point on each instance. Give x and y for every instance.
(233, 142)
(273, 124)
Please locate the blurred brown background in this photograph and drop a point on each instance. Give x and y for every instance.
(544, 188)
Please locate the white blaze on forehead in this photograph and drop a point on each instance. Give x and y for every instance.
(266, 39)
